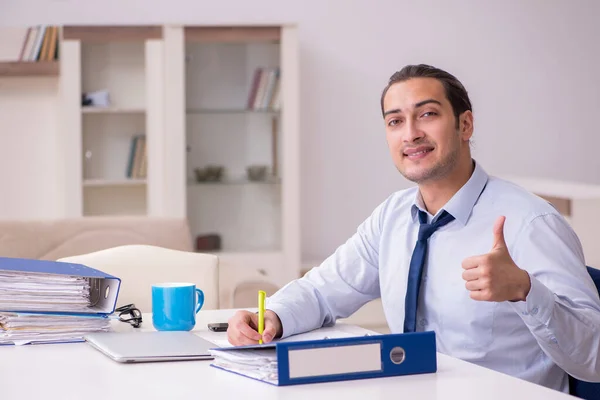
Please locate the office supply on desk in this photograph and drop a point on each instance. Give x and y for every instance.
(175, 305)
(218, 326)
(40, 286)
(131, 314)
(148, 346)
(291, 363)
(261, 313)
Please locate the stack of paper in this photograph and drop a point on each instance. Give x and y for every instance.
(24, 328)
(256, 363)
(261, 362)
(37, 292)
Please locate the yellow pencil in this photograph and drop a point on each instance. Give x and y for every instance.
(261, 313)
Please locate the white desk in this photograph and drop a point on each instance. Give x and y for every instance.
(77, 371)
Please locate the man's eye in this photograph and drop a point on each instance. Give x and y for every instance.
(393, 122)
(429, 113)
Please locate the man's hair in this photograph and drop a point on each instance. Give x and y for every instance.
(455, 91)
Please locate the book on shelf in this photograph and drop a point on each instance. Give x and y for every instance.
(265, 89)
(35, 43)
(137, 164)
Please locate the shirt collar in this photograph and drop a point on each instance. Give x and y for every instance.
(463, 201)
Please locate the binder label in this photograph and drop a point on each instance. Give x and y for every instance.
(335, 360)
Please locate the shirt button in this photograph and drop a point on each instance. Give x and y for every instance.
(423, 322)
(553, 340)
(534, 311)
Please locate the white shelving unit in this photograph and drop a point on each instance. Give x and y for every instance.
(211, 76)
(98, 144)
(186, 88)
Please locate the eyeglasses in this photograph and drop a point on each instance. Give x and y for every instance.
(128, 313)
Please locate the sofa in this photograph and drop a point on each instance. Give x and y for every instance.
(56, 239)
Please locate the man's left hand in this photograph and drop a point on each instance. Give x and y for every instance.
(495, 276)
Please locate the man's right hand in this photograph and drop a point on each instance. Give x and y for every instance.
(243, 328)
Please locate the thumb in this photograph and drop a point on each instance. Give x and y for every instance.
(499, 242)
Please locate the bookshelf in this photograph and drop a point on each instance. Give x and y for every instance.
(109, 76)
(236, 96)
(194, 94)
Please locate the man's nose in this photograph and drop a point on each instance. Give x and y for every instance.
(412, 132)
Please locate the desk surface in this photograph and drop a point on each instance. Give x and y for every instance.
(77, 371)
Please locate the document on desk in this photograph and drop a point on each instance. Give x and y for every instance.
(30, 328)
(330, 332)
(37, 292)
(30, 285)
(284, 363)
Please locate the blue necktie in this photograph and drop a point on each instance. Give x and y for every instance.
(416, 267)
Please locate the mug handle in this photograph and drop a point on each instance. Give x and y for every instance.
(200, 300)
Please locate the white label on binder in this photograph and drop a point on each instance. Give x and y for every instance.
(335, 360)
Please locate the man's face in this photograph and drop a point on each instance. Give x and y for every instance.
(421, 130)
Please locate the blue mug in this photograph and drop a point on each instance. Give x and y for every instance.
(175, 305)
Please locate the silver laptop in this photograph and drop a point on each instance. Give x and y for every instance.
(133, 347)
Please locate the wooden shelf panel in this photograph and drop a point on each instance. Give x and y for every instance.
(107, 183)
(111, 110)
(235, 182)
(228, 111)
(241, 34)
(112, 33)
(33, 68)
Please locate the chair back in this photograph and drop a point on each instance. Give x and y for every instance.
(581, 389)
(141, 266)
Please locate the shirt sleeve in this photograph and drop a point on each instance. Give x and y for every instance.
(562, 308)
(338, 287)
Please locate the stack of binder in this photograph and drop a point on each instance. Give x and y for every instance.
(51, 301)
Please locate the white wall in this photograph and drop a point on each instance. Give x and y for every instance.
(29, 161)
(531, 67)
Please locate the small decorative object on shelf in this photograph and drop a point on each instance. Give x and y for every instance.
(99, 98)
(257, 173)
(210, 173)
(208, 242)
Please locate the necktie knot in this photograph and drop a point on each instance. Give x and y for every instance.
(426, 230)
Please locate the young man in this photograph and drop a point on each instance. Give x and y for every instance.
(495, 271)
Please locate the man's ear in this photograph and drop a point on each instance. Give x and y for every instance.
(465, 126)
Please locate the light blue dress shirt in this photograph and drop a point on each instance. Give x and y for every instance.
(556, 329)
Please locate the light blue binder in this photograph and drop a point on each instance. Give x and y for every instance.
(333, 359)
(104, 288)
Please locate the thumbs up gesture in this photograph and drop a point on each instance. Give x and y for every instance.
(495, 276)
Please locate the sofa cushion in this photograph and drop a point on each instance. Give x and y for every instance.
(54, 239)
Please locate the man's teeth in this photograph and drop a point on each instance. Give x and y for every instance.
(420, 152)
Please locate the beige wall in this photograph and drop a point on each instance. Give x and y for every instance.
(530, 66)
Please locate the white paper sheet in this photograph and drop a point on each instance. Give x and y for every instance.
(27, 291)
(18, 328)
(332, 332)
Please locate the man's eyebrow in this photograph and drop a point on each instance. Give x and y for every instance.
(417, 105)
